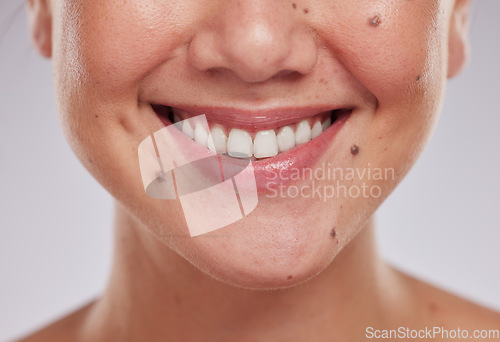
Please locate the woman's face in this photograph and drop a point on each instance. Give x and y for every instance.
(257, 65)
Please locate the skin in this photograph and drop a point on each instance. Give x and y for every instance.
(291, 279)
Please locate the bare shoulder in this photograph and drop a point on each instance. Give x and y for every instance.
(66, 328)
(443, 309)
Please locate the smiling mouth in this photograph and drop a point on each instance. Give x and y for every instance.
(252, 135)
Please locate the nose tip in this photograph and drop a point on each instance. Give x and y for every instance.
(254, 44)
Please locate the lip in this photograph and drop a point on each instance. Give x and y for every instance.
(255, 119)
(277, 170)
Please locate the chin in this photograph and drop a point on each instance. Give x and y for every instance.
(255, 254)
(263, 273)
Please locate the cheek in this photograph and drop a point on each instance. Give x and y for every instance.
(102, 51)
(113, 45)
(393, 47)
(397, 51)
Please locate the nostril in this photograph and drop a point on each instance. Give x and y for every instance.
(254, 48)
(287, 74)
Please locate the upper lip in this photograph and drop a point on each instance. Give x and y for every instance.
(258, 118)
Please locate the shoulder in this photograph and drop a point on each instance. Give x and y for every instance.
(439, 308)
(65, 329)
(456, 312)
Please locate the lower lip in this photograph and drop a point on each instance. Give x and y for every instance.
(282, 169)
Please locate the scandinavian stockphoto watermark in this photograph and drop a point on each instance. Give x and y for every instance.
(329, 181)
(428, 334)
(216, 190)
(213, 191)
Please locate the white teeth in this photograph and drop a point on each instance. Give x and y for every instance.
(239, 144)
(200, 135)
(210, 143)
(327, 123)
(265, 144)
(286, 138)
(187, 129)
(219, 139)
(303, 133)
(316, 130)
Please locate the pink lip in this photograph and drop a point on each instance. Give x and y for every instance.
(277, 170)
(257, 119)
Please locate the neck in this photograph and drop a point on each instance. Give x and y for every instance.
(153, 292)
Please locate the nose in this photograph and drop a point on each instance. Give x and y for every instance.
(254, 39)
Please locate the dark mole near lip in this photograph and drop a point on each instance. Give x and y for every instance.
(374, 21)
(418, 78)
(294, 5)
(354, 150)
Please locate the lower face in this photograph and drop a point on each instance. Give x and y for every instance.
(363, 110)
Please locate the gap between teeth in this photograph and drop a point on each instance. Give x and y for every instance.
(267, 143)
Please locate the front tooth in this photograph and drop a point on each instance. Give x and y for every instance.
(239, 144)
(210, 143)
(327, 123)
(219, 139)
(187, 129)
(286, 139)
(316, 130)
(200, 135)
(265, 144)
(303, 133)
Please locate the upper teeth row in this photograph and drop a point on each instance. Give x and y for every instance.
(266, 143)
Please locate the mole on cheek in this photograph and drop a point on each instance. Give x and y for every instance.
(354, 150)
(306, 10)
(374, 21)
(294, 5)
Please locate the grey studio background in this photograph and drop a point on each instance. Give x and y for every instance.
(441, 224)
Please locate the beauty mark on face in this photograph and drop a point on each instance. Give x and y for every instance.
(333, 233)
(374, 21)
(354, 150)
